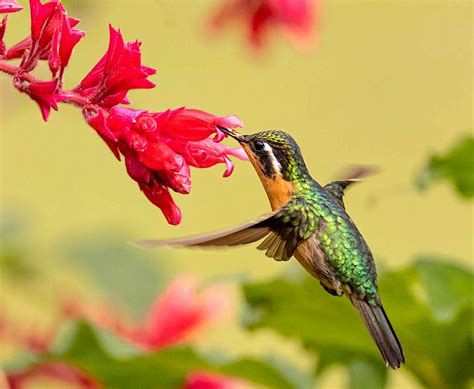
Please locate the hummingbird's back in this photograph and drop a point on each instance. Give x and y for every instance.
(343, 246)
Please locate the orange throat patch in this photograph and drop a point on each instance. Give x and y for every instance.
(279, 191)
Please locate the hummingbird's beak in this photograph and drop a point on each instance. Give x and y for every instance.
(232, 133)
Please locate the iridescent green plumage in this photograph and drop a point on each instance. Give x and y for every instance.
(319, 210)
(310, 222)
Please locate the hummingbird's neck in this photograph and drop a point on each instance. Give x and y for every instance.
(292, 179)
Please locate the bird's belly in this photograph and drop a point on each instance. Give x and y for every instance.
(310, 256)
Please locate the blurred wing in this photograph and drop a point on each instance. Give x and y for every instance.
(283, 229)
(352, 175)
(243, 234)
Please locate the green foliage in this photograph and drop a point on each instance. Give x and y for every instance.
(116, 266)
(430, 305)
(167, 368)
(14, 262)
(456, 166)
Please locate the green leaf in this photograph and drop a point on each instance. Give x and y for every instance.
(363, 374)
(448, 286)
(161, 369)
(456, 166)
(429, 305)
(116, 266)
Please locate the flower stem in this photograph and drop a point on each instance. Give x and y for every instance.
(65, 96)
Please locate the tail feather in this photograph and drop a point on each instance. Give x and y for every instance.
(382, 332)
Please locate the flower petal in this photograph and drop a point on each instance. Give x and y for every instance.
(208, 380)
(160, 196)
(118, 71)
(44, 94)
(7, 6)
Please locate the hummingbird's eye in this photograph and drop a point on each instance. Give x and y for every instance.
(258, 145)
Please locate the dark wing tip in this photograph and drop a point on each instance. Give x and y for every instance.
(358, 172)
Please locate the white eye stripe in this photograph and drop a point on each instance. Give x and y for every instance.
(275, 163)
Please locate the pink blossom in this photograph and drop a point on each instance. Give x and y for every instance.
(192, 124)
(119, 70)
(297, 18)
(158, 147)
(3, 26)
(207, 380)
(9, 6)
(44, 95)
(18, 50)
(171, 319)
(60, 372)
(158, 150)
(53, 37)
(207, 153)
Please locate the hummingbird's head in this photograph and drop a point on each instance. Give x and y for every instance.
(275, 156)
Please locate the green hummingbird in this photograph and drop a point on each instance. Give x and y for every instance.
(309, 222)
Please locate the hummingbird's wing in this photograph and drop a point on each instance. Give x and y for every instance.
(245, 233)
(353, 174)
(284, 228)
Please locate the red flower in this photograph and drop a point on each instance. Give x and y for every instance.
(159, 147)
(295, 17)
(44, 95)
(206, 380)
(172, 318)
(192, 124)
(3, 26)
(60, 372)
(119, 70)
(9, 6)
(31, 338)
(69, 38)
(52, 38)
(207, 153)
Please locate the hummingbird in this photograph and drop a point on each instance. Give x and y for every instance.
(310, 222)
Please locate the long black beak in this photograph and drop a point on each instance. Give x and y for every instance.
(232, 133)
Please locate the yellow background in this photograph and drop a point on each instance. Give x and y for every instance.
(389, 83)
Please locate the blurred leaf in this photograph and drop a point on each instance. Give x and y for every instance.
(14, 261)
(124, 272)
(161, 369)
(448, 286)
(14, 264)
(367, 375)
(436, 338)
(456, 166)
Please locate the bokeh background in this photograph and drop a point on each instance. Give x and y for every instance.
(388, 84)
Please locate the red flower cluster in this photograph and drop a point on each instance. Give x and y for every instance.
(206, 380)
(158, 147)
(172, 318)
(175, 315)
(295, 17)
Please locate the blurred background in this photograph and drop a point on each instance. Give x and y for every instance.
(388, 84)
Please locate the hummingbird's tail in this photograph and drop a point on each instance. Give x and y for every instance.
(381, 330)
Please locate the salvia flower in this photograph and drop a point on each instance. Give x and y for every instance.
(174, 316)
(158, 148)
(119, 70)
(52, 38)
(44, 94)
(296, 18)
(59, 373)
(208, 380)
